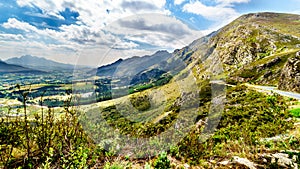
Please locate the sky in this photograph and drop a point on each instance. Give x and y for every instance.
(98, 32)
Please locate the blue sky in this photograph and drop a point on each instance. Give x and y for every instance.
(95, 32)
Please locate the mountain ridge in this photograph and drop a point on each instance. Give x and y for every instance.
(11, 68)
(39, 63)
(131, 65)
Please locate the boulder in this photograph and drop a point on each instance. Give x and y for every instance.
(245, 162)
(240, 162)
(282, 160)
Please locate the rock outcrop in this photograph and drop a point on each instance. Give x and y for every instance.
(290, 75)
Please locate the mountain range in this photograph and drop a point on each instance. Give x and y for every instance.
(132, 65)
(39, 63)
(11, 68)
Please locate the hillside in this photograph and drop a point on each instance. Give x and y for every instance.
(39, 63)
(10, 68)
(254, 48)
(256, 36)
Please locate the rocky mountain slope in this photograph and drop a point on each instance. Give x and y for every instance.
(255, 36)
(254, 48)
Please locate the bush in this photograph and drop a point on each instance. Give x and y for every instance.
(295, 112)
(114, 165)
(162, 162)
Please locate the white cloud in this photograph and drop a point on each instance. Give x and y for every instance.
(229, 2)
(46, 6)
(11, 37)
(16, 24)
(222, 13)
(215, 13)
(178, 2)
(93, 12)
(158, 30)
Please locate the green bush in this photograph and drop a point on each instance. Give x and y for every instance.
(115, 165)
(248, 73)
(140, 102)
(295, 112)
(162, 162)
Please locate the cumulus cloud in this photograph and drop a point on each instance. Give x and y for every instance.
(138, 5)
(156, 30)
(11, 37)
(222, 12)
(167, 28)
(178, 2)
(124, 45)
(229, 2)
(16, 24)
(94, 12)
(46, 6)
(214, 13)
(68, 34)
(93, 16)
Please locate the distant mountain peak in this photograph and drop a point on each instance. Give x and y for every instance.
(29, 56)
(161, 52)
(39, 63)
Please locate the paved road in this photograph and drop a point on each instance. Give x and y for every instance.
(268, 89)
(275, 90)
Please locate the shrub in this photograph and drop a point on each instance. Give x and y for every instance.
(162, 162)
(295, 112)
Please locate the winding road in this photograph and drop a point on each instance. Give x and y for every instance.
(267, 89)
(275, 90)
